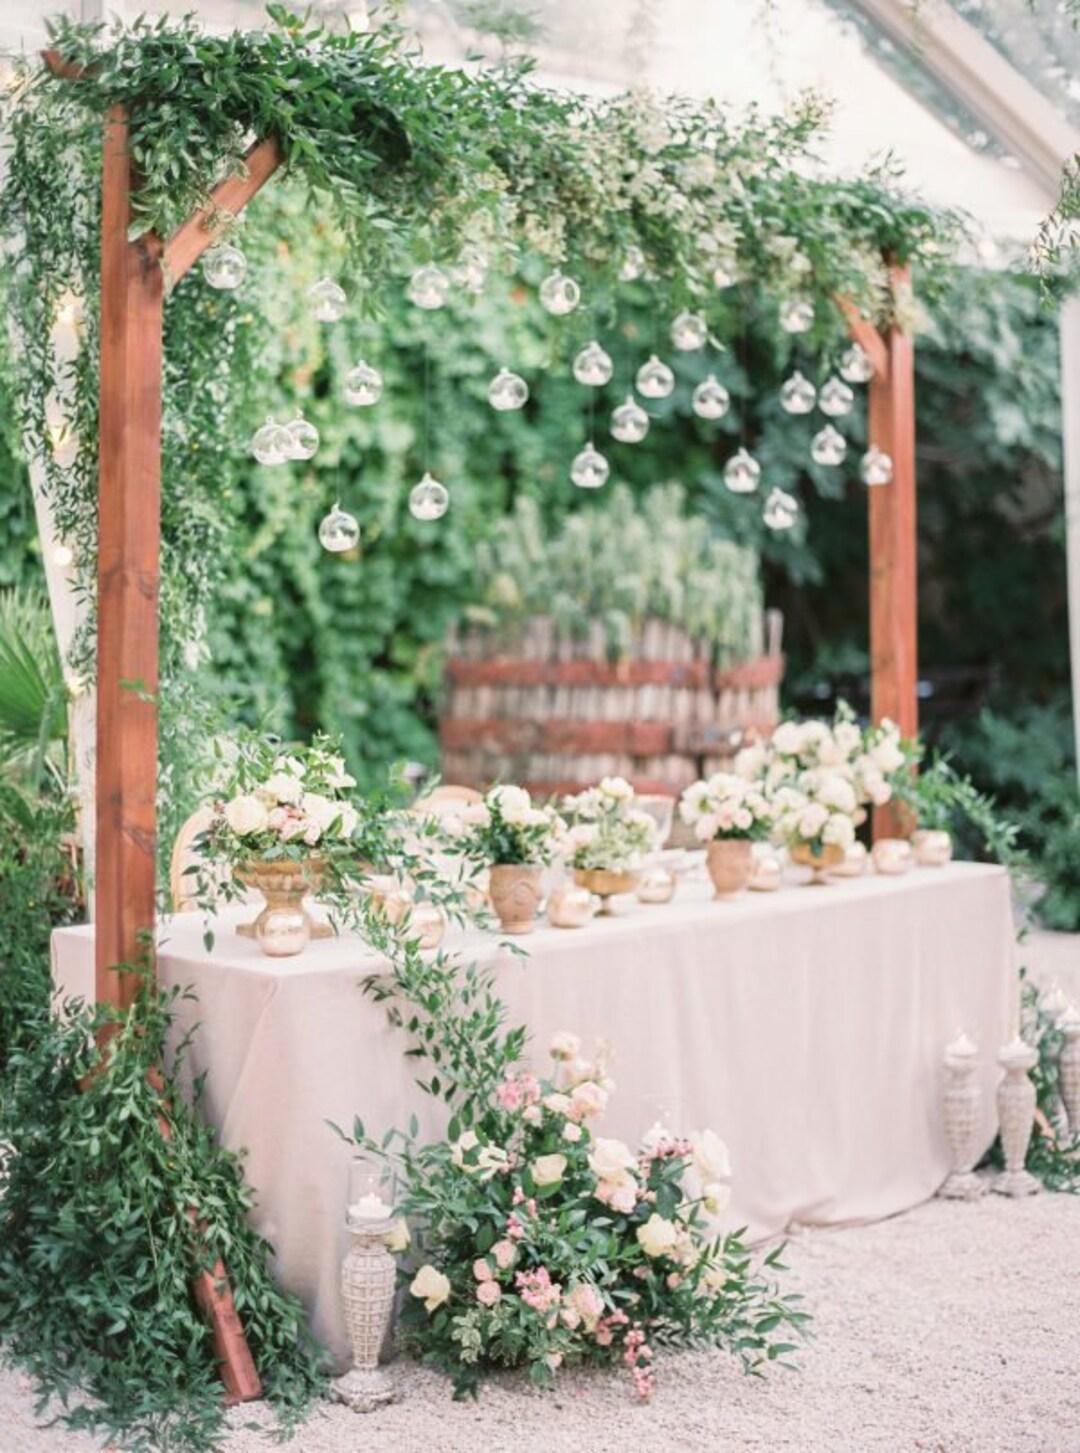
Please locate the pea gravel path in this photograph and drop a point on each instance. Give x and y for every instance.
(952, 1329)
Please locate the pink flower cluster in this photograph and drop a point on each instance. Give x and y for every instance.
(538, 1290)
(639, 1358)
(518, 1091)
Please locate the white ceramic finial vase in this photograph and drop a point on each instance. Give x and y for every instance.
(1016, 1117)
(1069, 1068)
(961, 1102)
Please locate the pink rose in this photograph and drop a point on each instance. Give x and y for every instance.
(505, 1254)
(587, 1099)
(481, 1270)
(488, 1293)
(276, 818)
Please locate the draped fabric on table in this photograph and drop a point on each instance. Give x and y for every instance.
(806, 1027)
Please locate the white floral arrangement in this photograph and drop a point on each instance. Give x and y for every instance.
(607, 832)
(506, 828)
(727, 806)
(272, 804)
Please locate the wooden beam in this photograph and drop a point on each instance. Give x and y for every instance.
(189, 242)
(129, 530)
(867, 337)
(893, 562)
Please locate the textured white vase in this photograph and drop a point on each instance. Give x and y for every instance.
(1016, 1117)
(368, 1277)
(1069, 1068)
(961, 1102)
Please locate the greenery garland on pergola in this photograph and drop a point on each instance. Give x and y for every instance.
(412, 163)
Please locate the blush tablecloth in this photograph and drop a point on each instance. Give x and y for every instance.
(805, 1026)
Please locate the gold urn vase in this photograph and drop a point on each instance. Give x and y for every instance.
(284, 927)
(606, 884)
(820, 860)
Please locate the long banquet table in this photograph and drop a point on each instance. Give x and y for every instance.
(805, 1026)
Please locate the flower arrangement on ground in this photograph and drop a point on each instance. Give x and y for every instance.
(544, 1243)
(515, 839)
(728, 813)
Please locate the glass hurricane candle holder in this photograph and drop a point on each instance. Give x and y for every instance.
(368, 1275)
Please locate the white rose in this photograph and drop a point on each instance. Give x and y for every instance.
(548, 1170)
(787, 739)
(319, 809)
(431, 1286)
(565, 1045)
(245, 815)
(350, 818)
(290, 765)
(557, 1102)
(610, 1159)
(848, 737)
(285, 787)
(710, 1155)
(716, 1197)
(397, 1239)
(509, 799)
(887, 755)
(572, 1132)
(467, 1141)
(837, 793)
(618, 789)
(813, 820)
(839, 831)
(657, 1237)
(491, 1160)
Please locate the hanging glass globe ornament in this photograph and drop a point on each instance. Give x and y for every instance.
(856, 365)
(429, 287)
(742, 473)
(338, 531)
(781, 510)
(589, 469)
(304, 438)
(796, 315)
(633, 264)
(828, 447)
(507, 391)
(797, 395)
(363, 385)
(835, 398)
(429, 500)
(725, 275)
(629, 422)
(711, 399)
(875, 467)
(689, 331)
(559, 294)
(224, 266)
(593, 367)
(471, 269)
(327, 301)
(272, 443)
(654, 379)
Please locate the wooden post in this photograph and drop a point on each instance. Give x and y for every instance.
(129, 540)
(893, 542)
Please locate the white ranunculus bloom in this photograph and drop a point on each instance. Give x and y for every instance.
(431, 1286)
(245, 815)
(848, 737)
(812, 820)
(285, 787)
(838, 794)
(887, 756)
(618, 789)
(710, 1155)
(839, 831)
(509, 799)
(610, 1159)
(787, 739)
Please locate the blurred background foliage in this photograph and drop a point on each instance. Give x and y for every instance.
(352, 643)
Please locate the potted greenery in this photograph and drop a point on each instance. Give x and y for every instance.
(515, 840)
(608, 839)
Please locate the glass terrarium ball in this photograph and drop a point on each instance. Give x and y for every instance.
(429, 500)
(828, 447)
(471, 269)
(781, 510)
(338, 531)
(797, 395)
(876, 467)
(363, 385)
(327, 301)
(689, 331)
(629, 422)
(304, 438)
(224, 266)
(507, 391)
(429, 287)
(559, 294)
(272, 443)
(589, 469)
(856, 365)
(711, 399)
(633, 264)
(796, 315)
(654, 379)
(742, 473)
(835, 398)
(593, 367)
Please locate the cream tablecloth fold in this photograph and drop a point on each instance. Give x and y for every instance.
(806, 1027)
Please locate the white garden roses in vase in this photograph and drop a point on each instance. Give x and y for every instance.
(608, 838)
(728, 813)
(278, 821)
(515, 839)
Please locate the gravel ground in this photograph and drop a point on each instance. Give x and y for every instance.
(952, 1329)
